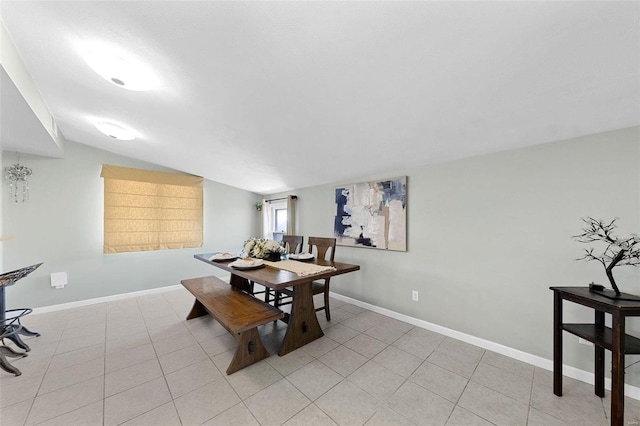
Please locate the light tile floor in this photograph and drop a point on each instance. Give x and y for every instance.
(137, 362)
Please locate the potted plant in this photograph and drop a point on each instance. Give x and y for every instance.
(618, 251)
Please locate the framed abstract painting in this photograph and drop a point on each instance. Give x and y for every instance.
(372, 214)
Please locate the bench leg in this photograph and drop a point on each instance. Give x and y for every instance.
(250, 350)
(198, 310)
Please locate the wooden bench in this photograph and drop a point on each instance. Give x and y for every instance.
(238, 312)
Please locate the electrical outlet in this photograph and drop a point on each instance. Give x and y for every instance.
(59, 279)
(584, 341)
(414, 295)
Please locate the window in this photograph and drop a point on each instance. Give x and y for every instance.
(279, 217)
(146, 210)
(281, 220)
(279, 224)
(276, 219)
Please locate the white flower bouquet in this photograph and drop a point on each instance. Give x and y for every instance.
(263, 248)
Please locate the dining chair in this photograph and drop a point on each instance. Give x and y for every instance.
(320, 246)
(292, 245)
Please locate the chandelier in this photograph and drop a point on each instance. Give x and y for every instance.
(18, 177)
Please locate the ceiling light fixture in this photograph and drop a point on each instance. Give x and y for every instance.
(114, 130)
(119, 68)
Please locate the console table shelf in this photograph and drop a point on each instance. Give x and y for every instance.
(603, 337)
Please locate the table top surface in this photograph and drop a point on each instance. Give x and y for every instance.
(584, 295)
(277, 278)
(9, 278)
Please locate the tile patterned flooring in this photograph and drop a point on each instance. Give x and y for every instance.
(137, 362)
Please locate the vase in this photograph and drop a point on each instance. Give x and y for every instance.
(273, 257)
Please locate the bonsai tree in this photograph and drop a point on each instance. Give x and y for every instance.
(617, 252)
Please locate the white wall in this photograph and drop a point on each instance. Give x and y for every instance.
(489, 235)
(62, 226)
(1, 228)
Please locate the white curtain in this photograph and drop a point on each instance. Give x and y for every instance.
(266, 220)
(291, 215)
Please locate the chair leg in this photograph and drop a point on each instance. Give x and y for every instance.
(276, 301)
(326, 304)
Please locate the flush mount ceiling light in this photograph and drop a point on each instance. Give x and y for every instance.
(114, 130)
(119, 68)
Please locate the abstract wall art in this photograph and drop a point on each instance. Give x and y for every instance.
(372, 214)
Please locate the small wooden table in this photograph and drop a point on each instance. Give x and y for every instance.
(613, 339)
(10, 326)
(302, 325)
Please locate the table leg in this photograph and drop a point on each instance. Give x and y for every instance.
(557, 343)
(10, 330)
(3, 306)
(26, 332)
(240, 283)
(599, 358)
(303, 326)
(617, 369)
(6, 366)
(13, 336)
(8, 351)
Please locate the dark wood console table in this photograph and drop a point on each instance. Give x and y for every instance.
(612, 338)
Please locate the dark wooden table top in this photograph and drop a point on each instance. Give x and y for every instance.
(277, 279)
(595, 300)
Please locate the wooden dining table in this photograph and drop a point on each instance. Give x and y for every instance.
(302, 323)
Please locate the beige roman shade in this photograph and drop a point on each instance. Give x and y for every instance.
(146, 210)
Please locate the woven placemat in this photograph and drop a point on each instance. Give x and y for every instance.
(300, 268)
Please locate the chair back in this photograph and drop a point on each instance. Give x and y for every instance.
(293, 243)
(323, 245)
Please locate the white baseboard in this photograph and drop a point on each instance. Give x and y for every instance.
(115, 297)
(105, 299)
(547, 364)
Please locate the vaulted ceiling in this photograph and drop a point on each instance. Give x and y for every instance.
(270, 96)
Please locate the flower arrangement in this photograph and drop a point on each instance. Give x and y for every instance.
(263, 248)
